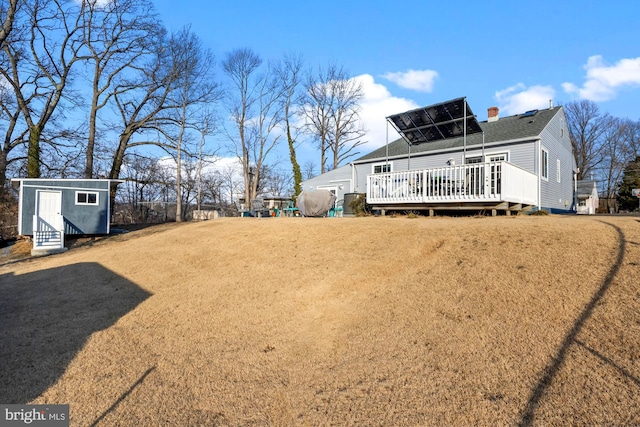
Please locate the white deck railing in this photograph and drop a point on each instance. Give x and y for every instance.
(48, 232)
(491, 182)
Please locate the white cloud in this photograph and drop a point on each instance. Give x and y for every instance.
(418, 80)
(377, 104)
(520, 98)
(602, 81)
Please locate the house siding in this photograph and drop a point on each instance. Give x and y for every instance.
(521, 137)
(554, 195)
(338, 179)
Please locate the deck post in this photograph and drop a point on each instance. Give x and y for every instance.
(431, 212)
(494, 212)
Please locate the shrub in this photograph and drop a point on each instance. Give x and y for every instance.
(359, 205)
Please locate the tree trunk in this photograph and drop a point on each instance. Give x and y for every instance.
(33, 153)
(91, 141)
(297, 174)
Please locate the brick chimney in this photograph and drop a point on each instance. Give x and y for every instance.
(492, 113)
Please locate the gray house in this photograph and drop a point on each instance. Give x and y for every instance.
(49, 209)
(447, 160)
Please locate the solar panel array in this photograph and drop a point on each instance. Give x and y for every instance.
(436, 122)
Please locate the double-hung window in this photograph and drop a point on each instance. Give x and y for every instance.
(544, 164)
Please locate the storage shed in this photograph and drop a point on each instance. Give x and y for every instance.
(49, 208)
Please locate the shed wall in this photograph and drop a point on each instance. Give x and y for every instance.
(78, 219)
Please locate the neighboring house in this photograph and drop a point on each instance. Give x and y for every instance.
(587, 195)
(49, 209)
(521, 162)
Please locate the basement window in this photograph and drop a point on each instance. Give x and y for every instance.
(87, 198)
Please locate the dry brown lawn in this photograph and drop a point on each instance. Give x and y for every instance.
(336, 321)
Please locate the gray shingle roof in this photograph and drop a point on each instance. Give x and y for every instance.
(585, 188)
(504, 129)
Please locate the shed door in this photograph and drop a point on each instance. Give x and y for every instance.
(48, 203)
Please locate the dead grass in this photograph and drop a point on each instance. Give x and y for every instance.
(352, 321)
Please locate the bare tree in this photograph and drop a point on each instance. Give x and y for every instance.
(633, 137)
(616, 154)
(275, 182)
(115, 35)
(240, 66)
(143, 102)
(254, 103)
(347, 130)
(195, 88)
(587, 126)
(289, 73)
(318, 105)
(145, 183)
(12, 135)
(331, 107)
(9, 16)
(213, 188)
(39, 63)
(309, 169)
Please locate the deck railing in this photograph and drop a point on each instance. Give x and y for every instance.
(495, 182)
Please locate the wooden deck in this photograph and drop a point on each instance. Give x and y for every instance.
(496, 186)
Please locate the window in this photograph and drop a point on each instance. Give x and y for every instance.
(473, 160)
(501, 157)
(86, 198)
(544, 164)
(381, 167)
(558, 170)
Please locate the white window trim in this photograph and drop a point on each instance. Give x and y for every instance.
(96, 193)
(542, 164)
(373, 166)
(558, 171)
(488, 156)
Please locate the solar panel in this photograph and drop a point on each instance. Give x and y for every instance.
(436, 122)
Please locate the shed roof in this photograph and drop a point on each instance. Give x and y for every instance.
(509, 128)
(586, 188)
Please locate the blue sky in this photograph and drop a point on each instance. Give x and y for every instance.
(513, 55)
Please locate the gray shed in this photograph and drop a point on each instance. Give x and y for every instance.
(49, 208)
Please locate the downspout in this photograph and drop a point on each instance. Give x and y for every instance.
(575, 190)
(352, 188)
(538, 161)
(386, 159)
(464, 132)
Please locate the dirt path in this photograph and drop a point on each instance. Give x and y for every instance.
(352, 321)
